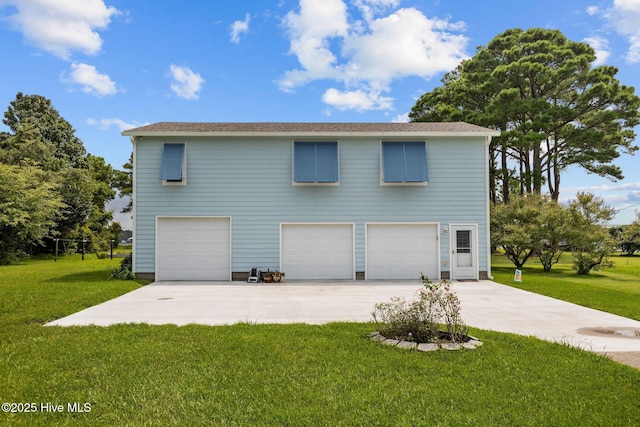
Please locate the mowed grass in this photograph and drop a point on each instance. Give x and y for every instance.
(289, 375)
(615, 290)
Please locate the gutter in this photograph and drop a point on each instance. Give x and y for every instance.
(488, 207)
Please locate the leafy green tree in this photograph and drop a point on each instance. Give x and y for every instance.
(553, 109)
(553, 231)
(26, 148)
(114, 231)
(591, 242)
(87, 192)
(530, 225)
(40, 138)
(55, 132)
(104, 178)
(29, 203)
(123, 181)
(105, 181)
(514, 227)
(75, 186)
(627, 237)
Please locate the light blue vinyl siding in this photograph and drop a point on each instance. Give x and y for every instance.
(172, 160)
(249, 179)
(315, 162)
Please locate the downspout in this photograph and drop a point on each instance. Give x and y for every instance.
(133, 140)
(488, 207)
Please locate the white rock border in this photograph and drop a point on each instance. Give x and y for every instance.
(409, 345)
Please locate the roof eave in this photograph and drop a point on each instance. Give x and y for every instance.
(307, 134)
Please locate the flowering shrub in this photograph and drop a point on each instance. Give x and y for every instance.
(420, 318)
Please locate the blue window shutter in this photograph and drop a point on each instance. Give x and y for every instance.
(327, 162)
(172, 160)
(315, 162)
(415, 162)
(304, 162)
(404, 161)
(393, 162)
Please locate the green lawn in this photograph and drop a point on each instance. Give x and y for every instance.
(615, 290)
(278, 374)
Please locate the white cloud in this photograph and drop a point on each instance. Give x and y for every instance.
(358, 100)
(310, 32)
(60, 27)
(621, 196)
(370, 8)
(593, 10)
(634, 196)
(401, 118)
(366, 56)
(105, 124)
(624, 17)
(405, 43)
(601, 46)
(186, 84)
(606, 187)
(90, 80)
(239, 27)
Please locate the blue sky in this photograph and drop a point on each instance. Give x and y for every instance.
(109, 65)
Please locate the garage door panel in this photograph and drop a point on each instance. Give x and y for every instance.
(190, 248)
(402, 251)
(317, 251)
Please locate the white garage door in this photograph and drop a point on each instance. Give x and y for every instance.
(193, 248)
(317, 251)
(402, 251)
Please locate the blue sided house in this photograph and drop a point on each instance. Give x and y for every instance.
(340, 201)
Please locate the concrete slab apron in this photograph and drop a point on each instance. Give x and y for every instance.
(485, 305)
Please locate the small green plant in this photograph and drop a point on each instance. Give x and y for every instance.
(405, 319)
(420, 318)
(124, 270)
(425, 280)
(122, 273)
(449, 304)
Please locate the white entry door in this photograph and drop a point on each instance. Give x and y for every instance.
(464, 252)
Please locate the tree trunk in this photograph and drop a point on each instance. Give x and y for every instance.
(525, 176)
(553, 171)
(537, 169)
(505, 173)
(555, 194)
(493, 177)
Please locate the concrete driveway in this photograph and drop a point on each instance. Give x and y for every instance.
(485, 305)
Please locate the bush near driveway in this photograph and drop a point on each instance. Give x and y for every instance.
(420, 318)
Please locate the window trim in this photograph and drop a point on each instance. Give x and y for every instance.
(314, 183)
(183, 181)
(403, 183)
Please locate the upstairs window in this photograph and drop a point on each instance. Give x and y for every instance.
(315, 162)
(404, 162)
(173, 166)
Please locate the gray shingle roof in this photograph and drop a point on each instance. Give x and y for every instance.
(247, 128)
